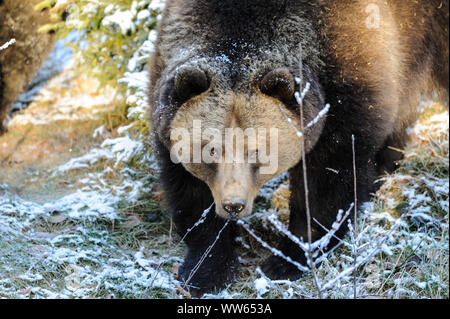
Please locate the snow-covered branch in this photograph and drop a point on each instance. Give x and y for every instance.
(7, 44)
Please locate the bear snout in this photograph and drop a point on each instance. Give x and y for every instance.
(234, 208)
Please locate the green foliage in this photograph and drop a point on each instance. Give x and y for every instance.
(110, 31)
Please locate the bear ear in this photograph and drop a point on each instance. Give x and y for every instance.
(190, 82)
(279, 84)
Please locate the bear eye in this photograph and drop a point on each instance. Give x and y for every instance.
(214, 154)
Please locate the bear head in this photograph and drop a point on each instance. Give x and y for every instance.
(236, 137)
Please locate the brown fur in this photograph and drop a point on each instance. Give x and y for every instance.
(243, 112)
(19, 62)
(397, 59)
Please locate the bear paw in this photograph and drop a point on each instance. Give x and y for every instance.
(277, 268)
(209, 278)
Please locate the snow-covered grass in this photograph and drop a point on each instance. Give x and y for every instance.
(92, 242)
(54, 256)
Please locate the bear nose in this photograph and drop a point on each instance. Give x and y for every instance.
(234, 208)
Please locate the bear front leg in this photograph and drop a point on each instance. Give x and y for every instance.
(278, 268)
(205, 270)
(211, 261)
(331, 188)
(187, 198)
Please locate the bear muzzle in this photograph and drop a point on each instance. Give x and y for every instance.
(234, 208)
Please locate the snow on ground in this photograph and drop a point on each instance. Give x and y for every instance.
(67, 246)
(86, 251)
(82, 261)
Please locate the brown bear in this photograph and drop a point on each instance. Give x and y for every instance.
(224, 66)
(20, 61)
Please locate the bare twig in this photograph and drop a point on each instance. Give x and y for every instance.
(289, 120)
(205, 254)
(7, 44)
(320, 244)
(369, 256)
(199, 222)
(355, 190)
(320, 115)
(274, 251)
(305, 181)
